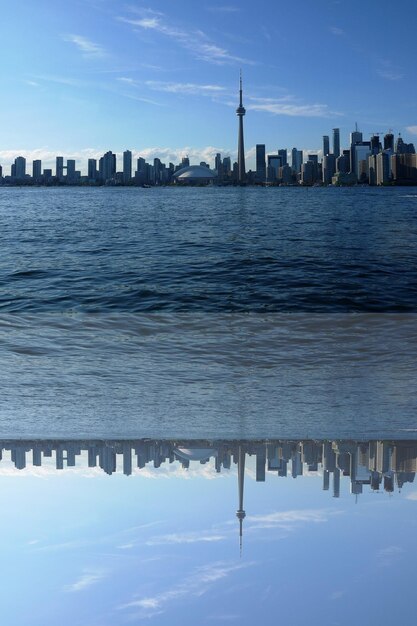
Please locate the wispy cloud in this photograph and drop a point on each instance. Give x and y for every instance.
(195, 585)
(87, 579)
(413, 494)
(184, 538)
(386, 556)
(335, 30)
(185, 88)
(284, 106)
(195, 41)
(87, 47)
(227, 8)
(388, 70)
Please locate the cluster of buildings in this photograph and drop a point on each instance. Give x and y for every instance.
(373, 162)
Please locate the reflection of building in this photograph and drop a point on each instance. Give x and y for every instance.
(379, 464)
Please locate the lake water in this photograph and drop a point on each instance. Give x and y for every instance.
(213, 312)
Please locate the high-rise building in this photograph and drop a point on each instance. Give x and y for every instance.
(20, 168)
(240, 112)
(218, 166)
(355, 139)
(389, 141)
(59, 171)
(127, 166)
(92, 169)
(336, 142)
(329, 168)
(70, 170)
(283, 156)
(383, 168)
(326, 145)
(37, 170)
(375, 144)
(274, 163)
(296, 160)
(107, 166)
(260, 163)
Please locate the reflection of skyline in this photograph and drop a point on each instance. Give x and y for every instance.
(379, 464)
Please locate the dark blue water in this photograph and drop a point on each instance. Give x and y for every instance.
(208, 313)
(210, 249)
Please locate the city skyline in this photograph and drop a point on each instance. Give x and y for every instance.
(86, 87)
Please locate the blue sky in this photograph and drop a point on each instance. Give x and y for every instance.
(161, 547)
(161, 78)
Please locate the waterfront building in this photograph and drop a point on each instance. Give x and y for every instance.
(375, 144)
(37, 171)
(92, 169)
(286, 175)
(107, 166)
(404, 168)
(383, 168)
(326, 145)
(336, 142)
(260, 163)
(296, 160)
(70, 171)
(362, 151)
(274, 163)
(356, 138)
(283, 156)
(308, 170)
(240, 112)
(127, 166)
(19, 168)
(227, 167)
(389, 141)
(59, 168)
(329, 168)
(218, 165)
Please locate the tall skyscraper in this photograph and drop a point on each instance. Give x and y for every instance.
(389, 141)
(296, 160)
(37, 170)
(283, 156)
(92, 169)
(326, 145)
(240, 112)
(20, 167)
(260, 163)
(336, 142)
(218, 165)
(127, 166)
(70, 170)
(356, 138)
(59, 172)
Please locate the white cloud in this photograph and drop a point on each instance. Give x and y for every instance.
(185, 88)
(284, 107)
(390, 74)
(87, 579)
(87, 47)
(195, 41)
(336, 31)
(413, 131)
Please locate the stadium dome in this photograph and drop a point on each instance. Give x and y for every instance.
(195, 454)
(195, 174)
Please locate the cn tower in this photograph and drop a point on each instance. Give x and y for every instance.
(240, 112)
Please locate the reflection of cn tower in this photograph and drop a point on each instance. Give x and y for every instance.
(240, 513)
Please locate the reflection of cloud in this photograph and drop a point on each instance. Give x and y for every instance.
(88, 578)
(387, 555)
(195, 585)
(177, 538)
(287, 519)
